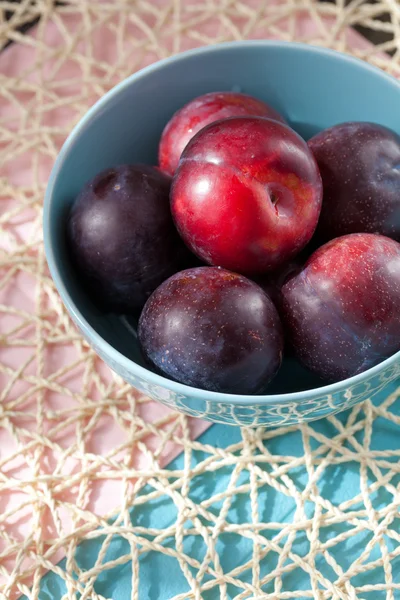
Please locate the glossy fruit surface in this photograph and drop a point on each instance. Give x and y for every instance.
(247, 194)
(202, 111)
(121, 236)
(342, 311)
(360, 169)
(212, 329)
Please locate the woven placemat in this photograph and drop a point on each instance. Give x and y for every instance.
(58, 399)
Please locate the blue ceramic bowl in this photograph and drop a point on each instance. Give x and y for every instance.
(314, 89)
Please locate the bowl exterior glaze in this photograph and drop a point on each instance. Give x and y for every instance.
(271, 411)
(313, 88)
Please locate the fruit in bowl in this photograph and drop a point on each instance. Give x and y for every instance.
(247, 194)
(246, 197)
(213, 329)
(202, 111)
(360, 169)
(125, 128)
(121, 236)
(342, 311)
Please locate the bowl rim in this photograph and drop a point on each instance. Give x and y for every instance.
(107, 349)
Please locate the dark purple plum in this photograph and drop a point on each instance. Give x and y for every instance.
(122, 238)
(273, 281)
(212, 329)
(342, 311)
(360, 168)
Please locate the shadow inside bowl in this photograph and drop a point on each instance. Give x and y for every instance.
(121, 333)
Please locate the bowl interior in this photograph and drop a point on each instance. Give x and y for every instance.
(313, 88)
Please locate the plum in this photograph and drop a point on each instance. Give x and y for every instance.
(342, 311)
(121, 236)
(273, 281)
(202, 111)
(212, 329)
(360, 169)
(247, 194)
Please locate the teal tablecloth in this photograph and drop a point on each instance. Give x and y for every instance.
(161, 577)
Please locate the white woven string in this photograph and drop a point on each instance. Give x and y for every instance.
(67, 71)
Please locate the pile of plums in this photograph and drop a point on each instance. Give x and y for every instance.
(245, 239)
